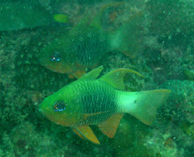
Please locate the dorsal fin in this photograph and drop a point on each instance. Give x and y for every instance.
(109, 127)
(96, 22)
(115, 77)
(92, 75)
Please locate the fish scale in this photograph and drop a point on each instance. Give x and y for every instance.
(95, 100)
(89, 48)
(76, 51)
(100, 100)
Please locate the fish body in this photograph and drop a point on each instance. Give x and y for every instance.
(101, 102)
(72, 53)
(16, 16)
(86, 43)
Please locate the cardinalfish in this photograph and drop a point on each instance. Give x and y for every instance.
(85, 44)
(19, 15)
(100, 101)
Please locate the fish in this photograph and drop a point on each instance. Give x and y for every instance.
(81, 48)
(76, 51)
(101, 101)
(17, 16)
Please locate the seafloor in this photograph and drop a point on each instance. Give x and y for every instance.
(163, 52)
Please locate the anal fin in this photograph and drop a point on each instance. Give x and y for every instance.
(109, 127)
(74, 130)
(87, 133)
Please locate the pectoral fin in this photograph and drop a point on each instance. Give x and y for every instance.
(93, 114)
(87, 133)
(109, 127)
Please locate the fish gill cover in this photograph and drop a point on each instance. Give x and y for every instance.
(154, 38)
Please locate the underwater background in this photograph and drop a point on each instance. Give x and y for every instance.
(156, 38)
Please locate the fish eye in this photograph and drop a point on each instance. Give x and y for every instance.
(59, 106)
(56, 57)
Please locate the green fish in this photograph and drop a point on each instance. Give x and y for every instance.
(17, 15)
(101, 102)
(81, 48)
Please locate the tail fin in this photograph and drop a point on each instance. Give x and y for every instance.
(146, 103)
(127, 39)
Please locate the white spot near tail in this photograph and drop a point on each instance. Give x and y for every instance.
(143, 105)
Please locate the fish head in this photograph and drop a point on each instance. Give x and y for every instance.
(59, 109)
(55, 59)
(57, 56)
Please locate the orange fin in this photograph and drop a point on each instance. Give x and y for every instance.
(109, 127)
(79, 73)
(115, 77)
(87, 133)
(74, 130)
(71, 76)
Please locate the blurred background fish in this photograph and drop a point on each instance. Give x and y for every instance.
(81, 48)
(17, 16)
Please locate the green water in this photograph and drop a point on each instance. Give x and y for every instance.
(153, 37)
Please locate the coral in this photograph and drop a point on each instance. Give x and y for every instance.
(162, 144)
(178, 114)
(172, 21)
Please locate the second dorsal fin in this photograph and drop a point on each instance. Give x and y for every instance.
(115, 77)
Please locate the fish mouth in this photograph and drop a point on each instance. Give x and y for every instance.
(43, 110)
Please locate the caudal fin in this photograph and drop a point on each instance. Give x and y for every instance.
(127, 39)
(146, 103)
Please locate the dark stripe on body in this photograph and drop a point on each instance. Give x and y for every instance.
(99, 102)
(90, 45)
